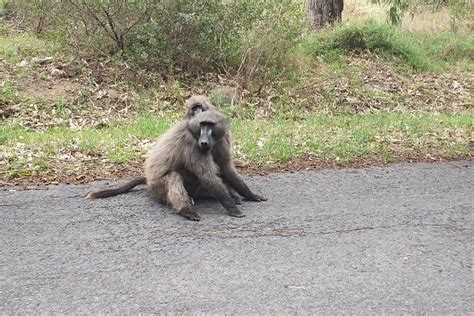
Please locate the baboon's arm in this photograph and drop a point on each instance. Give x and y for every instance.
(223, 158)
(230, 176)
(214, 185)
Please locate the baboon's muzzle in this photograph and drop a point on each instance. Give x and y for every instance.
(205, 139)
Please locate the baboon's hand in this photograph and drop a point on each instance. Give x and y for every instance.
(237, 200)
(191, 215)
(236, 213)
(257, 198)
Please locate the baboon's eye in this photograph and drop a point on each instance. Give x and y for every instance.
(207, 124)
(196, 107)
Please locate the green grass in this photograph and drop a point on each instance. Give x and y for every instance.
(341, 138)
(345, 137)
(418, 50)
(368, 67)
(448, 48)
(14, 48)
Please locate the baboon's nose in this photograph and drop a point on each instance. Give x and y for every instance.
(204, 145)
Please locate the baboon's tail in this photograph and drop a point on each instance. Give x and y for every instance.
(120, 190)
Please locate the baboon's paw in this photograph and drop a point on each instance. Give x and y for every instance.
(257, 198)
(237, 200)
(191, 215)
(236, 213)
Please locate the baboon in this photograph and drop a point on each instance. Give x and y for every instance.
(182, 162)
(194, 105)
(222, 154)
(197, 104)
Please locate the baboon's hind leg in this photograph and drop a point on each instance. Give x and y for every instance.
(177, 196)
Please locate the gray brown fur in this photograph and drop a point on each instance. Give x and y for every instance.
(177, 166)
(222, 154)
(197, 104)
(116, 191)
(202, 103)
(177, 169)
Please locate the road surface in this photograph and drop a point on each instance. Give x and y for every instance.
(395, 239)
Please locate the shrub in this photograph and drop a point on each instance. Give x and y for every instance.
(247, 38)
(376, 37)
(31, 15)
(271, 30)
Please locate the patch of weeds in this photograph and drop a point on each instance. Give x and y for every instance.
(456, 150)
(11, 132)
(26, 164)
(40, 165)
(14, 48)
(340, 138)
(447, 48)
(59, 106)
(122, 155)
(460, 120)
(379, 38)
(8, 91)
(92, 141)
(147, 126)
(12, 171)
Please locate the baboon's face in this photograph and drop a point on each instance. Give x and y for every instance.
(208, 127)
(195, 109)
(197, 104)
(206, 133)
(206, 137)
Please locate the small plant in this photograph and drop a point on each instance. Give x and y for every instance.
(59, 106)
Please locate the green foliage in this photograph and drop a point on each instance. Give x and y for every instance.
(416, 50)
(212, 35)
(372, 36)
(187, 37)
(340, 138)
(244, 37)
(265, 43)
(447, 48)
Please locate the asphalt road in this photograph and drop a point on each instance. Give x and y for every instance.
(393, 239)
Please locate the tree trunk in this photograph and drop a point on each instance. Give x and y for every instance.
(324, 12)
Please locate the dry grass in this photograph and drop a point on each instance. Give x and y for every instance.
(360, 10)
(419, 20)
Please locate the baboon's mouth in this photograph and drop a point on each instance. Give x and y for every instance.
(205, 149)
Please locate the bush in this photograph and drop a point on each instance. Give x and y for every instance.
(244, 37)
(269, 32)
(379, 38)
(31, 15)
(189, 37)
